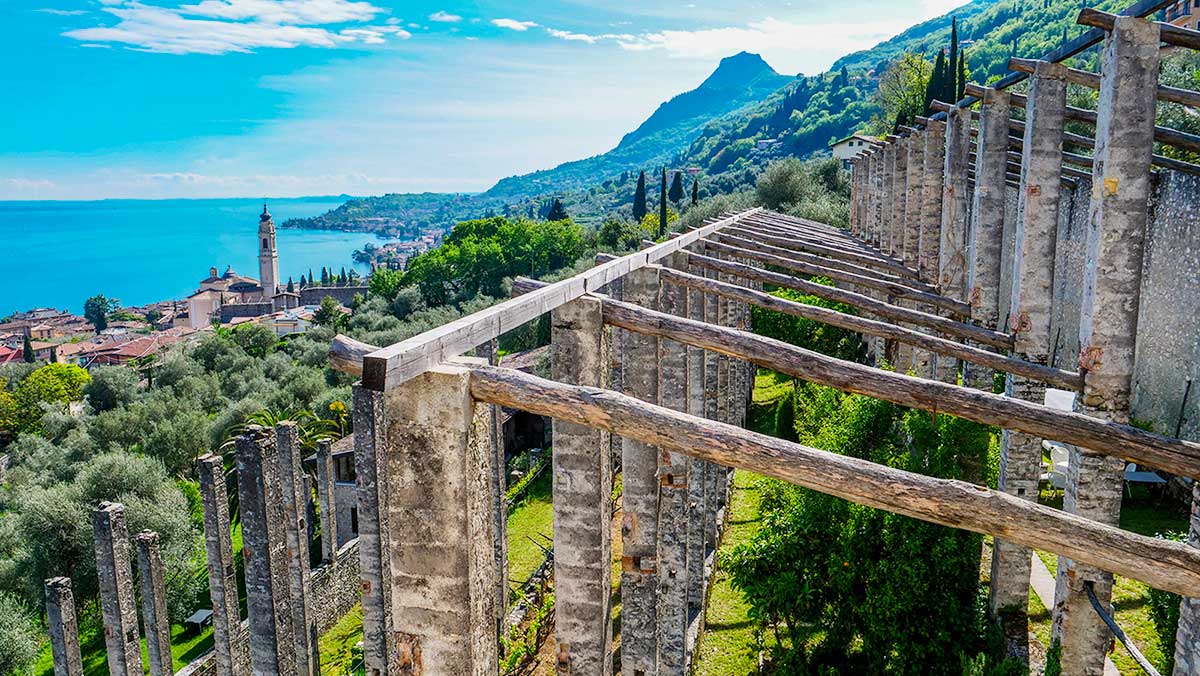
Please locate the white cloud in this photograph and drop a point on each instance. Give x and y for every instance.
(442, 16)
(62, 12)
(223, 26)
(298, 12)
(576, 37)
(513, 24)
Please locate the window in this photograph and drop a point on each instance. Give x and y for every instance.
(343, 468)
(265, 244)
(354, 520)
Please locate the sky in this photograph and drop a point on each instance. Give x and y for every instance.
(221, 98)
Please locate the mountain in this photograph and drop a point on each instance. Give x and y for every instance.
(739, 80)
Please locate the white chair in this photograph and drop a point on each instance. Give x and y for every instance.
(1056, 474)
(1133, 476)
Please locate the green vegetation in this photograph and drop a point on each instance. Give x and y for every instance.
(97, 310)
(530, 530)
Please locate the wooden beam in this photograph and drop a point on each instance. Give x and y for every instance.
(1168, 33)
(389, 366)
(1163, 564)
(942, 325)
(1097, 435)
(897, 290)
(765, 234)
(1091, 80)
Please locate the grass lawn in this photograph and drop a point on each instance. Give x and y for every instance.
(186, 646)
(337, 647)
(530, 528)
(1130, 597)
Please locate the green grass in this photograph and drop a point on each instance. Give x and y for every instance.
(530, 524)
(1130, 597)
(186, 646)
(338, 646)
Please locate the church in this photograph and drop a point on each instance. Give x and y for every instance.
(226, 295)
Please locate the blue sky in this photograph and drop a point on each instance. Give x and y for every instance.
(210, 98)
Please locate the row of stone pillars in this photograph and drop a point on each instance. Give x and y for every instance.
(962, 212)
(427, 502)
(279, 636)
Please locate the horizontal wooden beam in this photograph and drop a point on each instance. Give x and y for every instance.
(765, 234)
(942, 325)
(1168, 33)
(1163, 564)
(818, 259)
(862, 281)
(390, 366)
(1185, 97)
(1097, 435)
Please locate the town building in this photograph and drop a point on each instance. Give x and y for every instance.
(846, 149)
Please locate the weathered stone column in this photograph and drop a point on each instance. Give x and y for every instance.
(697, 469)
(639, 466)
(154, 604)
(294, 500)
(61, 625)
(499, 492)
(931, 199)
(1032, 297)
(117, 607)
(440, 537)
(855, 196)
(1108, 320)
(986, 235)
(887, 197)
(265, 550)
(712, 396)
(1187, 638)
(672, 612)
(580, 355)
(956, 202)
(218, 546)
(380, 651)
(914, 198)
(899, 201)
(326, 494)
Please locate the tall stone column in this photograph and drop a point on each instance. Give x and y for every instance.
(1187, 637)
(580, 355)
(697, 469)
(887, 197)
(154, 604)
(326, 494)
(899, 201)
(712, 410)
(117, 607)
(956, 199)
(986, 236)
(63, 630)
(218, 546)
(294, 500)
(440, 506)
(380, 652)
(499, 491)
(914, 198)
(1032, 297)
(639, 467)
(931, 200)
(265, 550)
(1108, 320)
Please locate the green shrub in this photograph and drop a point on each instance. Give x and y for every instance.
(785, 417)
(1164, 613)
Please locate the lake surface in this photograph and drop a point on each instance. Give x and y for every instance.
(57, 254)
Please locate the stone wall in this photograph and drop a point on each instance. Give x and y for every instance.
(313, 295)
(235, 310)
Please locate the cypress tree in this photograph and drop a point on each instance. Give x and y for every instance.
(844, 77)
(27, 351)
(311, 279)
(324, 276)
(639, 198)
(557, 211)
(302, 282)
(951, 85)
(936, 85)
(962, 75)
(662, 205)
(695, 191)
(291, 288)
(343, 279)
(676, 193)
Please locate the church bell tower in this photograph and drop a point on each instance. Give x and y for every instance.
(268, 255)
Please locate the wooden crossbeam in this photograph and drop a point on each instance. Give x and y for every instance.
(390, 366)
(1163, 564)
(795, 244)
(1091, 80)
(1168, 33)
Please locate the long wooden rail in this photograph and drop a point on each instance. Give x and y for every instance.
(390, 366)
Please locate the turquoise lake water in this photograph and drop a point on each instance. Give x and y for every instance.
(57, 254)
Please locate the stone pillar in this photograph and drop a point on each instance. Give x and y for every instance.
(712, 410)
(326, 494)
(899, 201)
(499, 492)
(887, 199)
(855, 196)
(931, 216)
(380, 652)
(673, 479)
(1108, 320)
(439, 503)
(294, 500)
(61, 625)
(639, 467)
(580, 355)
(1187, 638)
(986, 235)
(116, 590)
(218, 545)
(956, 197)
(265, 550)
(914, 198)
(154, 604)
(1032, 297)
(698, 470)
